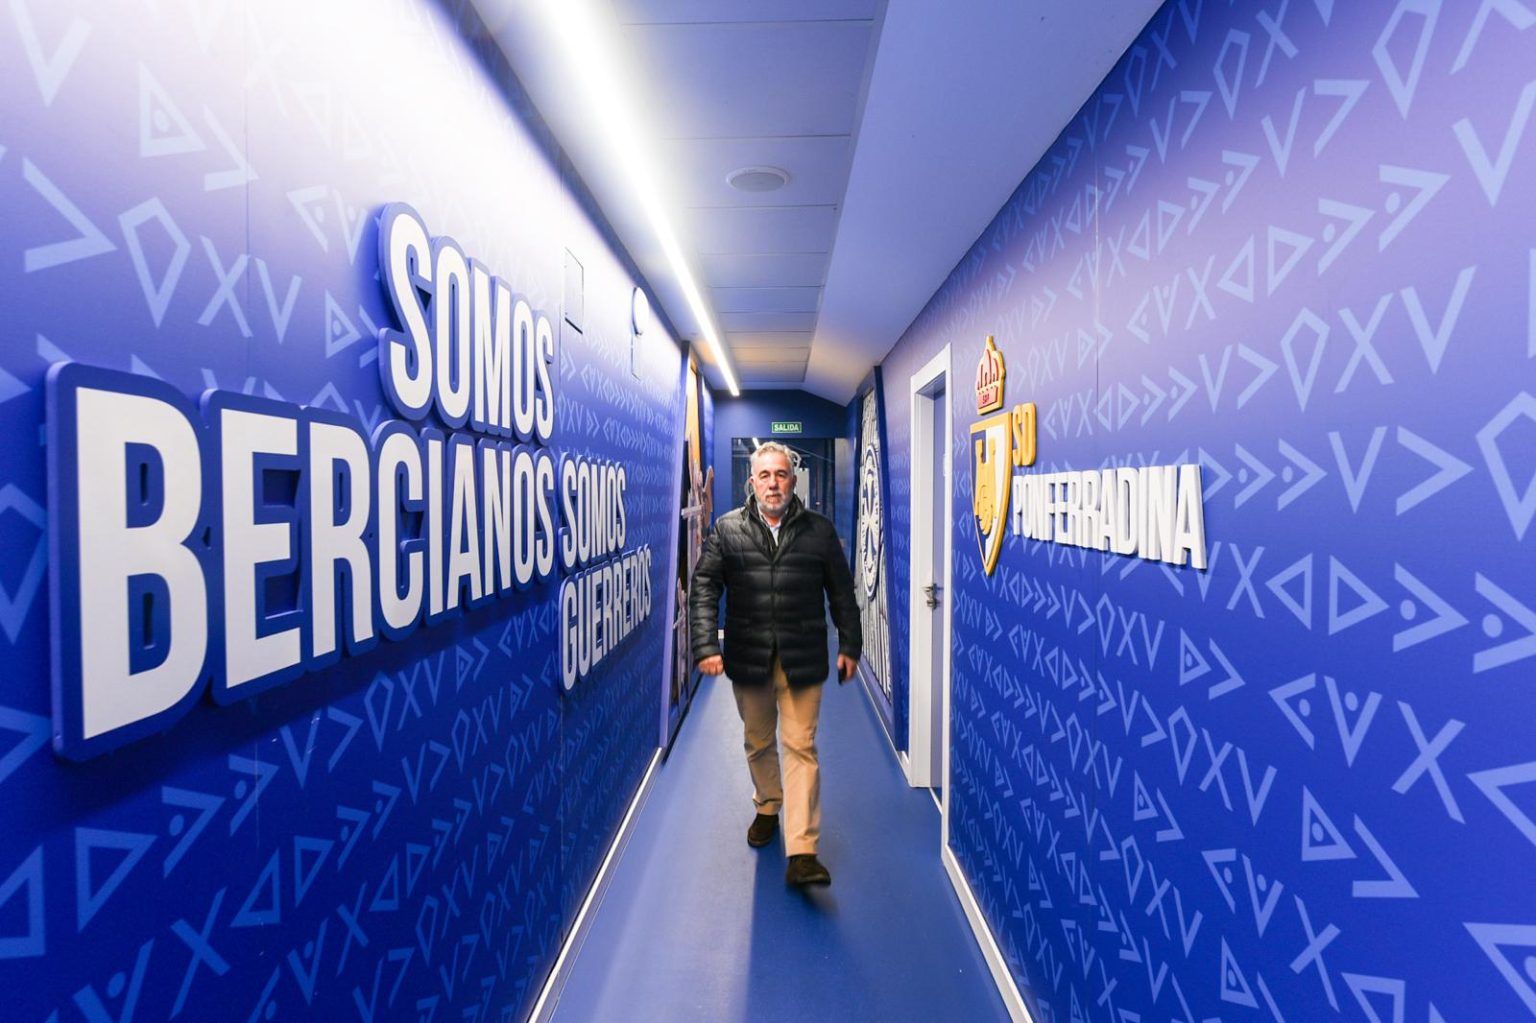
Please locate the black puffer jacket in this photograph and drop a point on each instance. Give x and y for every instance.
(774, 595)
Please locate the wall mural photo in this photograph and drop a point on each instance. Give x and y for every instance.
(695, 518)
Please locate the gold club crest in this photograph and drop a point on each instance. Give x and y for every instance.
(992, 441)
(990, 374)
(999, 442)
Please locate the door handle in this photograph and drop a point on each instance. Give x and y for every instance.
(932, 589)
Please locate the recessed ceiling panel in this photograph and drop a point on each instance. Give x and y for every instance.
(749, 341)
(674, 11)
(773, 375)
(750, 80)
(817, 166)
(763, 229)
(752, 270)
(770, 356)
(765, 300)
(767, 321)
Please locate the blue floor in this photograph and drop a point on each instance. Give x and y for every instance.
(696, 925)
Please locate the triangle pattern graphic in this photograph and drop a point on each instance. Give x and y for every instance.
(14, 606)
(304, 874)
(1320, 839)
(1369, 602)
(1222, 877)
(1234, 679)
(1295, 246)
(1294, 714)
(387, 897)
(34, 730)
(163, 129)
(91, 895)
(269, 889)
(1509, 947)
(1143, 808)
(1242, 264)
(1297, 603)
(340, 331)
(1446, 618)
(1234, 986)
(1192, 663)
(26, 881)
(1396, 884)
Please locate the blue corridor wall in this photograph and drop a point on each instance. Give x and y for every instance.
(1292, 242)
(190, 193)
(752, 415)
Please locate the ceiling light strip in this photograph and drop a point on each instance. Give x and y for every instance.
(594, 61)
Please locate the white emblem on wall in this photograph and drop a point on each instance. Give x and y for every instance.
(870, 524)
(869, 548)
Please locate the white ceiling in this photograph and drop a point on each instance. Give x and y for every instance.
(903, 130)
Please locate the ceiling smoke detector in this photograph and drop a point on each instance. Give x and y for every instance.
(758, 179)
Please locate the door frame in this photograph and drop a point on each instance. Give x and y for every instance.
(922, 688)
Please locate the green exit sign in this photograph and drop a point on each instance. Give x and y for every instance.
(792, 426)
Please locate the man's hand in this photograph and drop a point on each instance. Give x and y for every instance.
(846, 666)
(713, 665)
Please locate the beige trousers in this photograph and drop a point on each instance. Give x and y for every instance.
(791, 712)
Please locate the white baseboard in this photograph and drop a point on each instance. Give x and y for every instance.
(1006, 987)
(549, 994)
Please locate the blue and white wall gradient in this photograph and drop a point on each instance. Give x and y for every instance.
(190, 193)
(1295, 243)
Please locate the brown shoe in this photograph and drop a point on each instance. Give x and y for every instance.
(764, 827)
(806, 869)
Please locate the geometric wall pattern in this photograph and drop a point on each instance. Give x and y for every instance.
(189, 191)
(1294, 242)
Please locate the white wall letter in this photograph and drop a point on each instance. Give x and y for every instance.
(248, 543)
(333, 543)
(111, 552)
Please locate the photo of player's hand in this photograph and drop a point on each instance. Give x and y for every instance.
(713, 665)
(846, 666)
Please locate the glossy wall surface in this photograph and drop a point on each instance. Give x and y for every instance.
(1293, 243)
(189, 192)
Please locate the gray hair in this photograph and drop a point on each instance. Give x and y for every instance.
(773, 446)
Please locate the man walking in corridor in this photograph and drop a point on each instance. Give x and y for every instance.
(779, 564)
